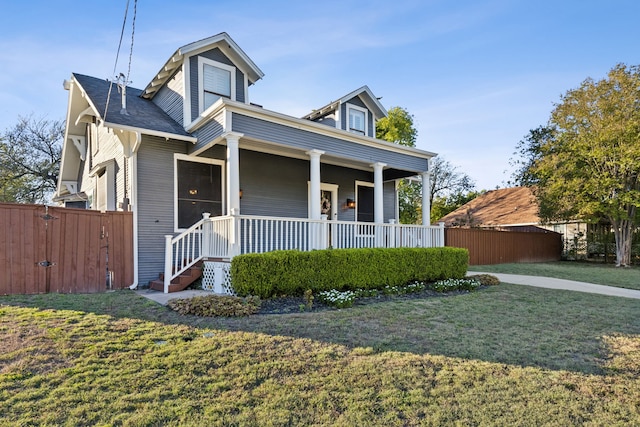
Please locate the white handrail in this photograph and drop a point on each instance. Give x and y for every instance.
(227, 236)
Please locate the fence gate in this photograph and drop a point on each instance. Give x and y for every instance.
(50, 249)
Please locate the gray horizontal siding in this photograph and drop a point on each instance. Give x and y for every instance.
(278, 186)
(273, 185)
(328, 120)
(215, 55)
(305, 140)
(155, 203)
(346, 179)
(209, 132)
(171, 97)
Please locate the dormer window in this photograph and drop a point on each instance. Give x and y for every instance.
(357, 119)
(216, 80)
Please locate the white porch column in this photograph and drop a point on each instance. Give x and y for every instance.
(426, 193)
(233, 172)
(314, 186)
(378, 193)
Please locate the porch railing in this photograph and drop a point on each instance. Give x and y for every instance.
(228, 236)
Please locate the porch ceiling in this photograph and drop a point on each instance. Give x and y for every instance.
(389, 174)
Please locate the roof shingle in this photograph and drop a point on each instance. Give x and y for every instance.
(142, 113)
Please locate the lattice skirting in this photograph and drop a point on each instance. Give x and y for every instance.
(216, 277)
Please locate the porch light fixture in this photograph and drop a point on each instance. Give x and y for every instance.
(351, 204)
(193, 191)
(241, 193)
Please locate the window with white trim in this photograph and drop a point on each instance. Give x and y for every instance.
(216, 80)
(199, 189)
(357, 119)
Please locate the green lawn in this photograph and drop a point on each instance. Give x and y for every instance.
(601, 274)
(505, 355)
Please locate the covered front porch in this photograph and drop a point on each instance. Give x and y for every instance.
(224, 237)
(294, 199)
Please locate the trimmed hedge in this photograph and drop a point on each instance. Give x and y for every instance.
(292, 272)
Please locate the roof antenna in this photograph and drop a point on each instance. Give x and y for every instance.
(122, 82)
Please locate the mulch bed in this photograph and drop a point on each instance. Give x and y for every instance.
(288, 305)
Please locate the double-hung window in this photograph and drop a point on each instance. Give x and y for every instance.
(357, 119)
(216, 81)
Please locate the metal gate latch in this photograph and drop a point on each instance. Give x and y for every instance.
(46, 263)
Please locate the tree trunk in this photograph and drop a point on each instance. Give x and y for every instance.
(623, 232)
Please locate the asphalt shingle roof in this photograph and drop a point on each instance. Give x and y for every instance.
(143, 113)
(507, 206)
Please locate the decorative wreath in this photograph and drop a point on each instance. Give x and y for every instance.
(325, 206)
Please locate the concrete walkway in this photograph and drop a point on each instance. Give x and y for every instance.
(570, 285)
(162, 298)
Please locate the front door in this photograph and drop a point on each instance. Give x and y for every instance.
(329, 201)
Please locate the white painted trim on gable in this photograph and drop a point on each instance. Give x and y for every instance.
(205, 61)
(246, 88)
(186, 107)
(188, 158)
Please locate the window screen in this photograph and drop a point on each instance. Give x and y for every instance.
(217, 83)
(364, 203)
(199, 191)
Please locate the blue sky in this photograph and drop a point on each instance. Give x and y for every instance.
(476, 75)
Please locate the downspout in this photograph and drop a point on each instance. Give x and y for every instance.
(135, 138)
(133, 170)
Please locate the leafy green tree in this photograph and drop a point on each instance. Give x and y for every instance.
(30, 155)
(398, 127)
(528, 152)
(588, 166)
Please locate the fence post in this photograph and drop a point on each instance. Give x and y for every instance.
(234, 234)
(392, 233)
(205, 241)
(441, 235)
(168, 261)
(324, 227)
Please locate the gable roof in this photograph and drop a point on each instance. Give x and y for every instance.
(222, 41)
(506, 206)
(365, 94)
(141, 113)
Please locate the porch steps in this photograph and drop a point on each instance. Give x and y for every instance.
(180, 282)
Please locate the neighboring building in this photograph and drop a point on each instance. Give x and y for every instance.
(512, 209)
(191, 142)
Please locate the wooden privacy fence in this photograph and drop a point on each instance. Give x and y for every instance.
(496, 247)
(53, 249)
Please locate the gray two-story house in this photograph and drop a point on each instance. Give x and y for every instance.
(192, 143)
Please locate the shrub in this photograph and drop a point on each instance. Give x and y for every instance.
(216, 305)
(291, 272)
(485, 279)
